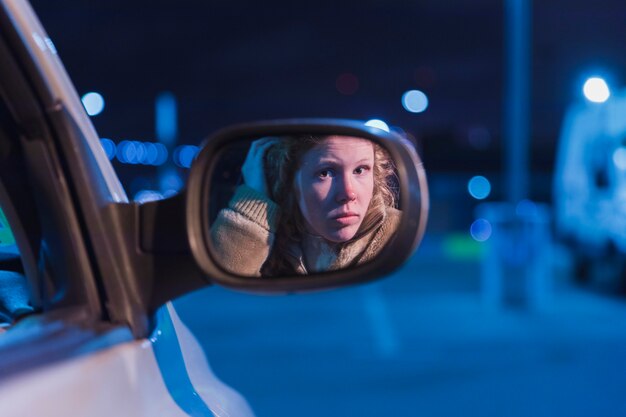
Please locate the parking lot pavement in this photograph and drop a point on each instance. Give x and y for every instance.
(419, 343)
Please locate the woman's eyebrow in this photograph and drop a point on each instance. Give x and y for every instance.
(328, 161)
(337, 162)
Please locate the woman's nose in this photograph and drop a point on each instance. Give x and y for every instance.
(345, 192)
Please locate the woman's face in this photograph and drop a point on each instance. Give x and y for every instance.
(334, 186)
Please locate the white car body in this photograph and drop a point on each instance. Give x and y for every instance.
(111, 373)
(164, 375)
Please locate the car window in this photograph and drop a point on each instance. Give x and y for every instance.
(14, 297)
(7, 240)
(14, 292)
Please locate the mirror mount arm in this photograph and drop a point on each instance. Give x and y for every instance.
(162, 238)
(150, 263)
(162, 226)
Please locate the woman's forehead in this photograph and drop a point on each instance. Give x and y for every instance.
(342, 147)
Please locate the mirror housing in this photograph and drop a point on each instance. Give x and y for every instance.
(413, 201)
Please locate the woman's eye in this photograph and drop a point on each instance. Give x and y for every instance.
(325, 173)
(361, 170)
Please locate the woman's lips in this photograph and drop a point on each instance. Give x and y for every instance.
(346, 219)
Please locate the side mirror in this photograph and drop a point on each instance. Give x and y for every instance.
(318, 204)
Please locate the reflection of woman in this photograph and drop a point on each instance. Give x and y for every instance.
(323, 203)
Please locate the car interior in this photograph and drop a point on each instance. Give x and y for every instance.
(14, 295)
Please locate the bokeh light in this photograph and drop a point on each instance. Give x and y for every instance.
(184, 155)
(479, 187)
(619, 158)
(347, 84)
(414, 101)
(596, 90)
(94, 103)
(109, 147)
(481, 230)
(170, 182)
(377, 123)
(145, 196)
(141, 153)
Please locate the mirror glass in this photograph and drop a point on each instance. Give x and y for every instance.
(298, 205)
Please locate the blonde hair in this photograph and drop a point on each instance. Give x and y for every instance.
(282, 161)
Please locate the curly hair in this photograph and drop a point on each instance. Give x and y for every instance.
(282, 161)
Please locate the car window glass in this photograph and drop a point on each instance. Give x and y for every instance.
(7, 240)
(14, 292)
(14, 297)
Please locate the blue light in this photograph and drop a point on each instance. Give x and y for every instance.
(151, 153)
(141, 153)
(162, 154)
(120, 154)
(414, 101)
(184, 155)
(170, 182)
(109, 147)
(127, 152)
(135, 152)
(144, 196)
(479, 187)
(481, 230)
(170, 192)
(596, 90)
(94, 103)
(166, 117)
(377, 123)
(619, 158)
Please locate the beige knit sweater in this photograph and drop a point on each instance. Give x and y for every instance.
(244, 233)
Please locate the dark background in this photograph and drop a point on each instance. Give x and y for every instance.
(236, 61)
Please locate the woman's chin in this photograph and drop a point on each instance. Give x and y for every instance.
(342, 235)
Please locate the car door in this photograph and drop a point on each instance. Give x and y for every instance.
(86, 344)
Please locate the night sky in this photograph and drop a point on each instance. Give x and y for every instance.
(235, 61)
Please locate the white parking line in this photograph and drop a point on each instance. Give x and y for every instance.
(385, 339)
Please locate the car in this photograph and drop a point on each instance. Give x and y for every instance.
(87, 276)
(589, 191)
